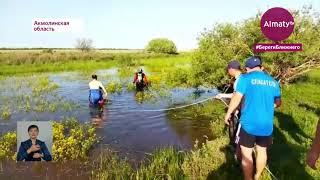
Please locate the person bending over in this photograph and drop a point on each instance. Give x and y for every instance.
(97, 92)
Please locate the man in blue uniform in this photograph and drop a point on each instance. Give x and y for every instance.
(260, 94)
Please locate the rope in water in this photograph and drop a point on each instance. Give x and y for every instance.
(168, 109)
(195, 103)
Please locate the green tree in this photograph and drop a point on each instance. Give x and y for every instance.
(227, 41)
(216, 48)
(161, 45)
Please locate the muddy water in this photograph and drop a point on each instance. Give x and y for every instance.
(126, 124)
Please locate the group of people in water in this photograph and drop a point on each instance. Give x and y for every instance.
(253, 101)
(98, 94)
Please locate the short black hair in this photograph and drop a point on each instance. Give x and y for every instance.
(33, 126)
(94, 76)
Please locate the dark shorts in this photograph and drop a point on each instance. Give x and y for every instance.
(140, 86)
(248, 140)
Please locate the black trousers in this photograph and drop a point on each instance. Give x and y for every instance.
(140, 86)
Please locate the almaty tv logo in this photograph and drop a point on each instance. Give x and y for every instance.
(277, 24)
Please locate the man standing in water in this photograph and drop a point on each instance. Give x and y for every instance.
(33, 149)
(260, 94)
(97, 92)
(140, 80)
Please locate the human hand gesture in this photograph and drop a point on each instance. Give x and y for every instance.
(33, 148)
(37, 155)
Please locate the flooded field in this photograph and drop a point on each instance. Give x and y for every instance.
(133, 124)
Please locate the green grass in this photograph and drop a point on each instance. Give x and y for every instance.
(30, 62)
(8, 142)
(32, 94)
(163, 164)
(164, 63)
(109, 166)
(6, 113)
(55, 67)
(295, 124)
(114, 87)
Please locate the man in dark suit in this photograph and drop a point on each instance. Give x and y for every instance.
(33, 149)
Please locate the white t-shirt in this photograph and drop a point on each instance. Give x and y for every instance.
(94, 84)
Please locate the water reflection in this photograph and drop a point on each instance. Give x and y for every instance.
(190, 126)
(98, 116)
(122, 124)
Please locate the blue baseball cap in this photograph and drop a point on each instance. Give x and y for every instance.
(234, 64)
(253, 62)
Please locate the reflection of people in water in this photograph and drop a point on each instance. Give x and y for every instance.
(33, 149)
(140, 80)
(97, 117)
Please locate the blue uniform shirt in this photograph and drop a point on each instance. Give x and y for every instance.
(260, 91)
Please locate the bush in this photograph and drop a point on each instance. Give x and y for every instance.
(177, 77)
(125, 60)
(6, 113)
(42, 86)
(224, 42)
(216, 48)
(50, 51)
(72, 140)
(8, 144)
(114, 87)
(131, 87)
(161, 45)
(84, 44)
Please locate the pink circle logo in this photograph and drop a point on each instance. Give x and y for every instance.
(277, 24)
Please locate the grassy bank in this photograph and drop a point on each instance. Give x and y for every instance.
(55, 67)
(14, 63)
(294, 128)
(295, 124)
